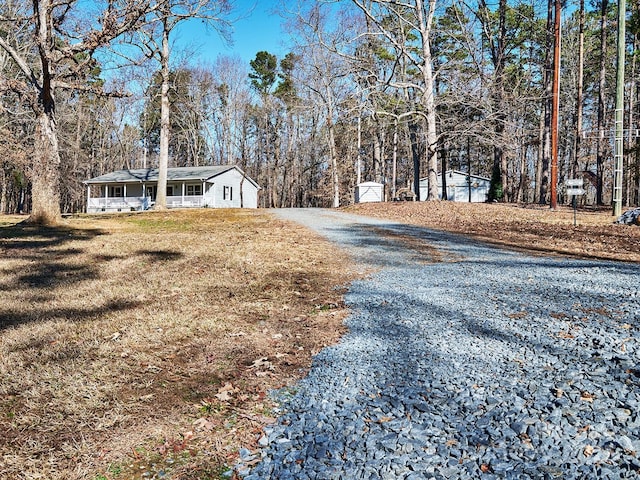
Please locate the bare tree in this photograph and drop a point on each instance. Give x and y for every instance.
(418, 17)
(321, 74)
(65, 40)
(162, 22)
(602, 83)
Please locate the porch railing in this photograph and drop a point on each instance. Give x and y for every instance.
(124, 204)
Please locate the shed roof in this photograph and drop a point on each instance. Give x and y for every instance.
(458, 172)
(173, 174)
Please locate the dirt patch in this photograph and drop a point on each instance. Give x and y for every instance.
(534, 228)
(423, 252)
(147, 343)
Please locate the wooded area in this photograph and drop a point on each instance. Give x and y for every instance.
(371, 90)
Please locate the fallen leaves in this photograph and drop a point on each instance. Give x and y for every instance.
(262, 362)
(263, 367)
(226, 392)
(565, 335)
(204, 424)
(587, 397)
(528, 227)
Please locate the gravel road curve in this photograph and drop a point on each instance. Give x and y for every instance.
(464, 361)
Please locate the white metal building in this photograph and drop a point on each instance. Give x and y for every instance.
(221, 186)
(459, 185)
(369, 192)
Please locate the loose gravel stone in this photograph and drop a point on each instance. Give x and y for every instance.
(481, 363)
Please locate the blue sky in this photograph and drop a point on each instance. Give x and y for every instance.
(256, 29)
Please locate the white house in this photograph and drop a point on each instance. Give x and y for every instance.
(369, 192)
(459, 186)
(222, 186)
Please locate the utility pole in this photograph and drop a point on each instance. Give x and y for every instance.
(555, 109)
(619, 142)
(359, 162)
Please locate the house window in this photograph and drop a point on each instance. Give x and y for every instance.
(169, 190)
(151, 192)
(227, 193)
(194, 190)
(115, 191)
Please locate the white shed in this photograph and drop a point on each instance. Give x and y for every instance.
(459, 185)
(369, 192)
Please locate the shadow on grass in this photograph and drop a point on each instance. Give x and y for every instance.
(43, 249)
(12, 318)
(161, 255)
(50, 259)
(23, 237)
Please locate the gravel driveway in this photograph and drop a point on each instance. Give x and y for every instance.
(465, 361)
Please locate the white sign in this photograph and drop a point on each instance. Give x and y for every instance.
(575, 191)
(573, 182)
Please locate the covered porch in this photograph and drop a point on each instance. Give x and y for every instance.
(138, 197)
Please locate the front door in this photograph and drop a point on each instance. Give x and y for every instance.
(150, 192)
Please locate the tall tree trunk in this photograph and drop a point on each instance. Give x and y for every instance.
(3, 191)
(499, 171)
(335, 175)
(45, 178)
(443, 170)
(377, 152)
(575, 167)
(538, 193)
(415, 154)
(425, 20)
(600, 146)
(631, 139)
(548, 89)
(163, 162)
(277, 166)
(359, 153)
(333, 151)
(394, 167)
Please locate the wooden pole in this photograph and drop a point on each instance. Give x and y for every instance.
(555, 109)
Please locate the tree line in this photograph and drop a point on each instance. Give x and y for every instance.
(370, 90)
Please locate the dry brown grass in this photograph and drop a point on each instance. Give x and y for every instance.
(137, 343)
(529, 227)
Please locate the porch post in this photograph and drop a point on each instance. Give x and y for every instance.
(182, 200)
(204, 186)
(124, 192)
(88, 197)
(106, 196)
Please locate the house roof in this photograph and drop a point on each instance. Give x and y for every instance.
(173, 175)
(458, 172)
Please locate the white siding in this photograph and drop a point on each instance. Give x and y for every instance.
(225, 191)
(369, 192)
(458, 187)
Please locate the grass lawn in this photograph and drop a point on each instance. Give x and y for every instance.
(143, 343)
